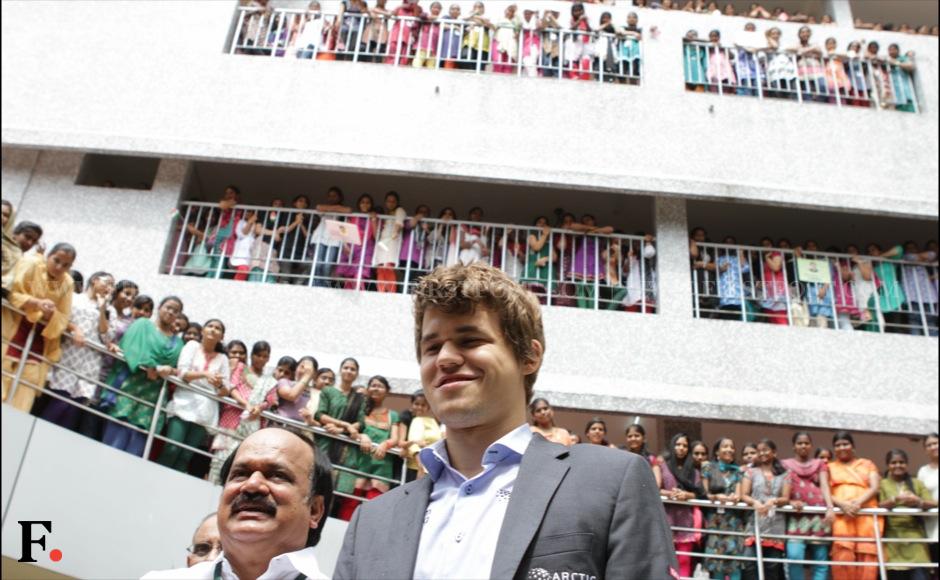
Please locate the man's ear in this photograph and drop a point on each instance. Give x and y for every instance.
(316, 511)
(534, 360)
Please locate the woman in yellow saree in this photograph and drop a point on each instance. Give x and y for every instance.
(42, 288)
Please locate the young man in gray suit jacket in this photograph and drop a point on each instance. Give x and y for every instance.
(500, 501)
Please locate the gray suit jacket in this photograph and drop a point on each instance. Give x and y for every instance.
(585, 510)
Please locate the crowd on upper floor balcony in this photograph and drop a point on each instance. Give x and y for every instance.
(746, 62)
(885, 289)
(522, 41)
(571, 262)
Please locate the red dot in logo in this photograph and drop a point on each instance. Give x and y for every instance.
(55, 555)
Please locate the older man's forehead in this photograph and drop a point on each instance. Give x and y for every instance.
(274, 448)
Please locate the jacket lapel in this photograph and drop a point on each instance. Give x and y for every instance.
(410, 512)
(540, 474)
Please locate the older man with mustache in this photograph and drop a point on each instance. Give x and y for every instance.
(276, 492)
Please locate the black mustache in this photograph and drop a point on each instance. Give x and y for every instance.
(246, 502)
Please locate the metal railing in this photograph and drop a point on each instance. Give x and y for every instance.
(159, 406)
(523, 49)
(841, 80)
(735, 282)
(561, 266)
(759, 559)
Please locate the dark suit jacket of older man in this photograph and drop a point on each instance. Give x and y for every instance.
(581, 513)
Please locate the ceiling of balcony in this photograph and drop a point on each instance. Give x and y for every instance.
(502, 203)
(913, 12)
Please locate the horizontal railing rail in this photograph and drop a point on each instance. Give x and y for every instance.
(388, 253)
(17, 382)
(758, 557)
(158, 407)
(844, 80)
(843, 291)
(526, 49)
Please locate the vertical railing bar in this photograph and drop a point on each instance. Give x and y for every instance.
(920, 298)
(786, 287)
(409, 251)
(882, 571)
(179, 243)
(317, 247)
(267, 260)
(154, 420)
(218, 269)
(363, 249)
(597, 270)
(551, 262)
(238, 30)
(757, 546)
(21, 366)
(440, 45)
(362, 24)
(881, 321)
(832, 291)
(738, 254)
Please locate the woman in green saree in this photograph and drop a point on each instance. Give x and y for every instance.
(150, 351)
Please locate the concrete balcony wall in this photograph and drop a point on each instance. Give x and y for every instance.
(151, 78)
(106, 521)
(666, 364)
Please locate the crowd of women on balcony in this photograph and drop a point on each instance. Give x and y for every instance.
(157, 344)
(745, 62)
(891, 289)
(575, 263)
(519, 41)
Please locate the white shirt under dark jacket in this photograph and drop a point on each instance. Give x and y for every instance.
(282, 567)
(464, 516)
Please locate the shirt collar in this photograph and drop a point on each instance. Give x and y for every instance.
(510, 446)
(285, 566)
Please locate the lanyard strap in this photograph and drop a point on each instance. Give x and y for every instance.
(217, 574)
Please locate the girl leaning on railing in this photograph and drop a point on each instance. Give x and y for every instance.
(81, 365)
(42, 290)
(899, 489)
(151, 351)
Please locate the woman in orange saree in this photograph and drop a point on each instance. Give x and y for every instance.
(855, 483)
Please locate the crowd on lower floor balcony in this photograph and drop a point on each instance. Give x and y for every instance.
(572, 262)
(749, 64)
(101, 355)
(886, 289)
(779, 491)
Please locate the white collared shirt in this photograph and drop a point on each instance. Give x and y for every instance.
(282, 567)
(464, 516)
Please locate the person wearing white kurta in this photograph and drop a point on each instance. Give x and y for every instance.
(388, 243)
(928, 475)
(190, 411)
